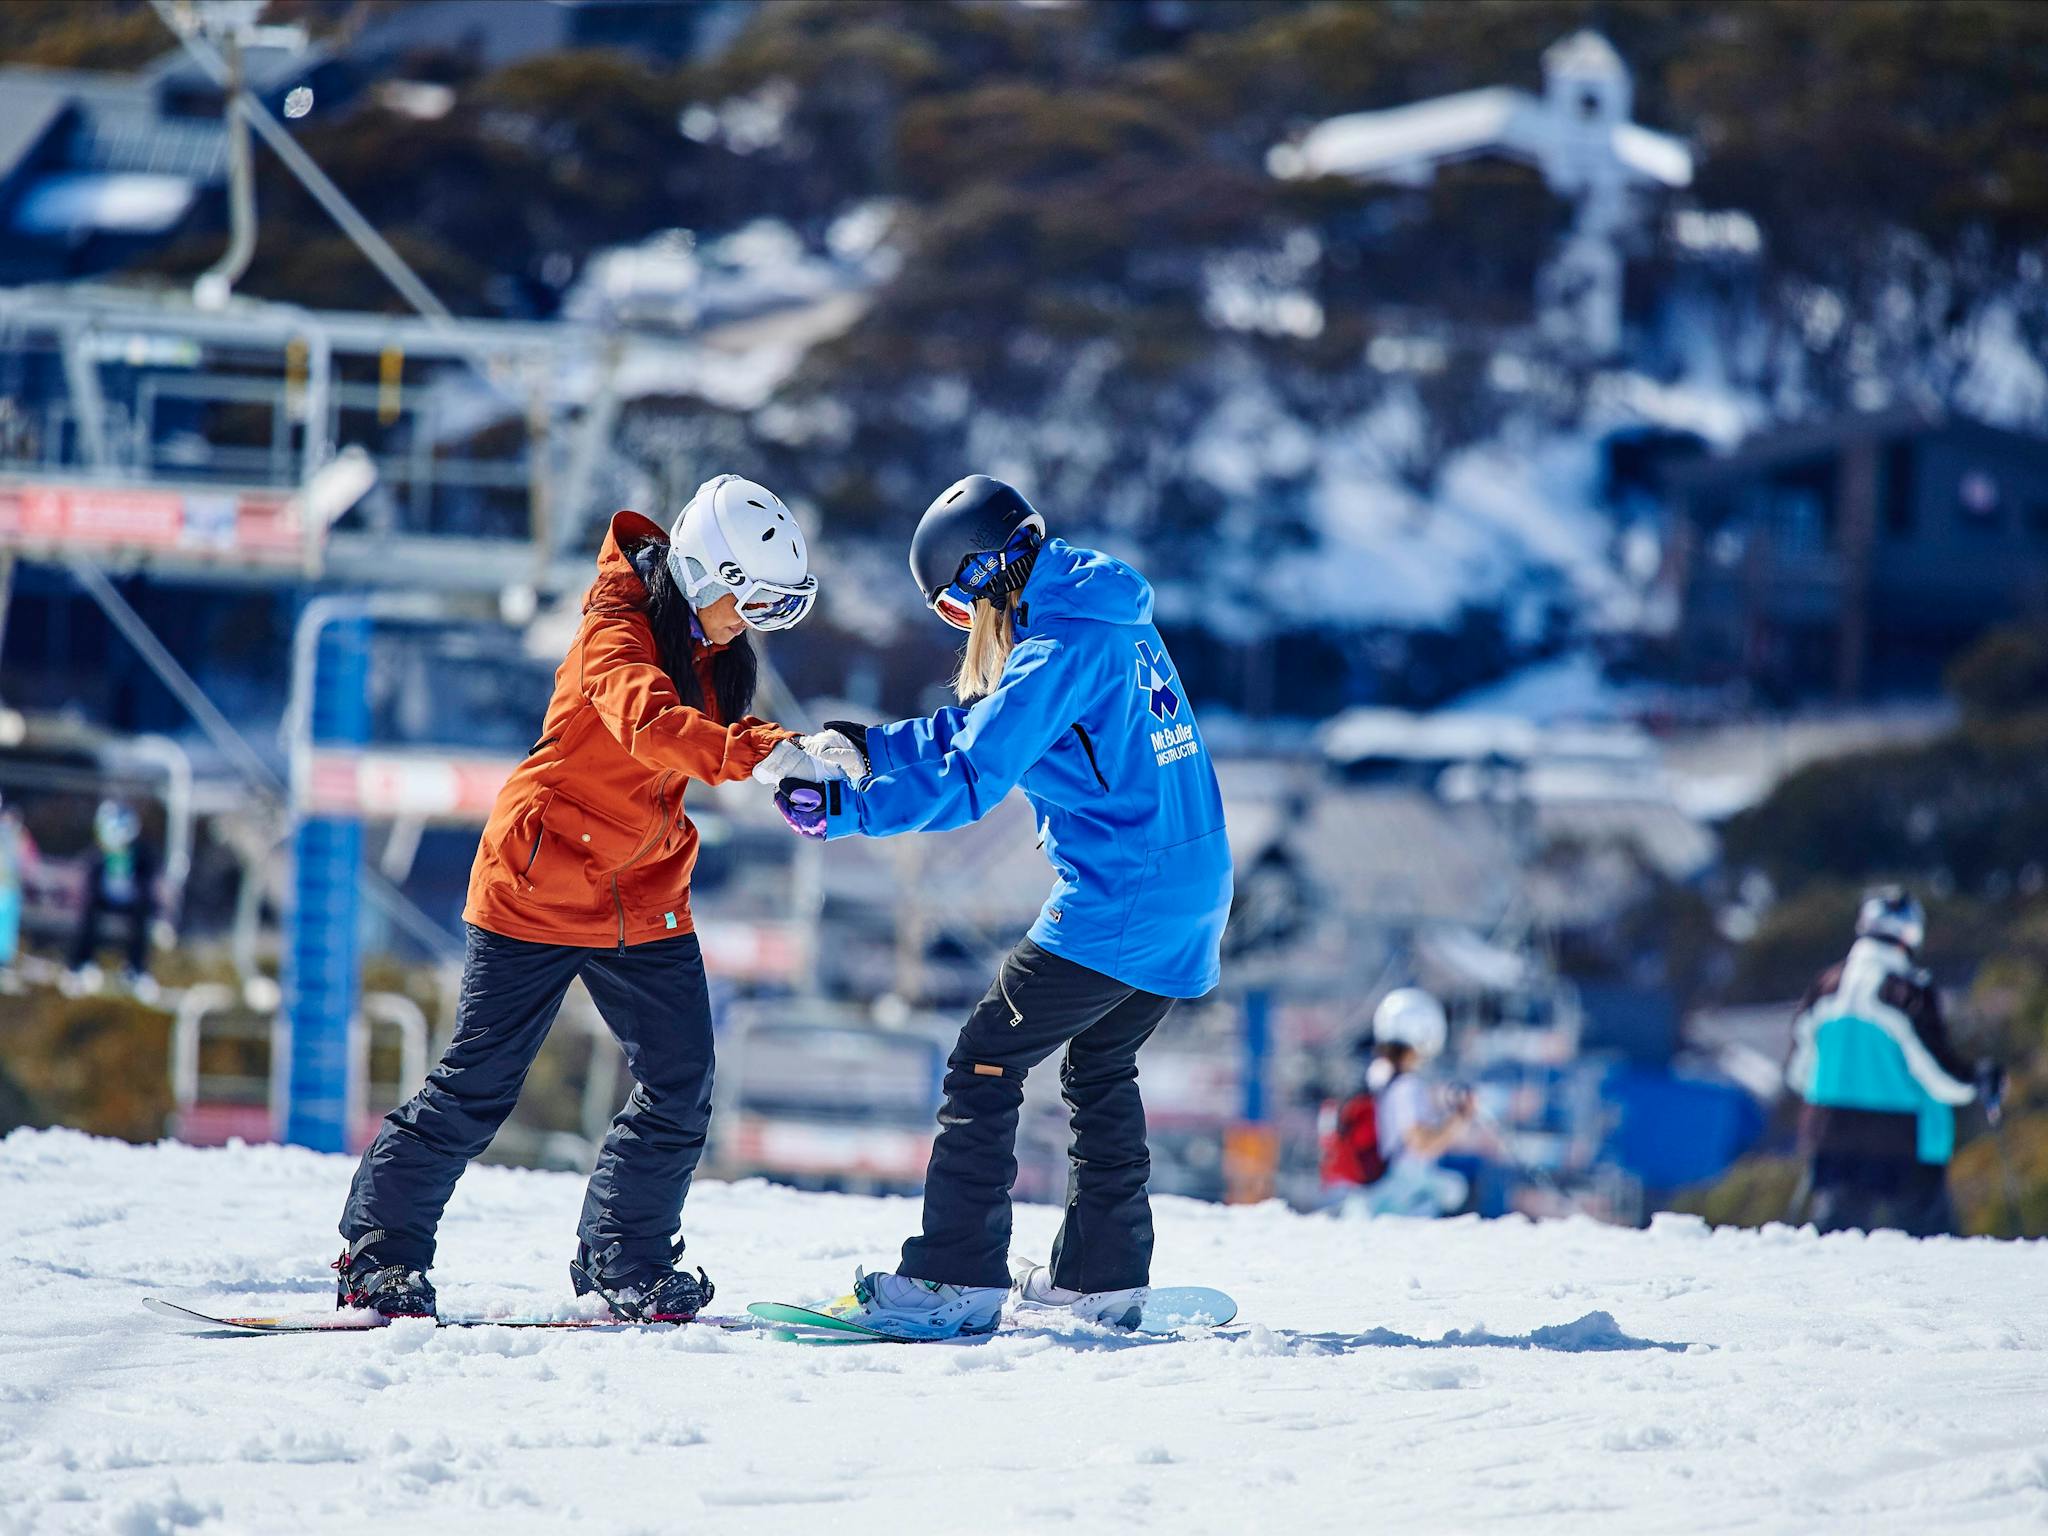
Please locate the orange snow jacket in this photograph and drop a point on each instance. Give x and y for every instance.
(588, 844)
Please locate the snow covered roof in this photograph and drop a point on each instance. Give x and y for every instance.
(1470, 963)
(1408, 143)
(118, 202)
(1399, 856)
(1677, 845)
(1401, 141)
(1359, 735)
(119, 125)
(30, 105)
(1652, 155)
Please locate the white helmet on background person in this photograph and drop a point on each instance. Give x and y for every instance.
(1892, 912)
(115, 825)
(736, 536)
(1410, 1016)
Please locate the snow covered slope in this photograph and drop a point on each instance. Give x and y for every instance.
(1769, 1382)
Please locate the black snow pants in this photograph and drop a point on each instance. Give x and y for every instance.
(1866, 1193)
(1040, 1002)
(655, 1000)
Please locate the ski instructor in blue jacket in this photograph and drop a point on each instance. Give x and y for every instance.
(1067, 693)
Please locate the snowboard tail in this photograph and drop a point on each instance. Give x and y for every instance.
(1168, 1310)
(364, 1321)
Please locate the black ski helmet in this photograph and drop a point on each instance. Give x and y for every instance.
(970, 517)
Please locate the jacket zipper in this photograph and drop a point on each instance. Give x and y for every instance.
(660, 826)
(1089, 747)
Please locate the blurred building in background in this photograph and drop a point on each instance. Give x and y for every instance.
(1859, 555)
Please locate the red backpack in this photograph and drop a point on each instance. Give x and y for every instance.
(1351, 1142)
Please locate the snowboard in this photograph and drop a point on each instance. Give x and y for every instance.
(1168, 1310)
(355, 1321)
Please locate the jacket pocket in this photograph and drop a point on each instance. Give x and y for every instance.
(1088, 746)
(600, 838)
(561, 852)
(521, 849)
(1177, 912)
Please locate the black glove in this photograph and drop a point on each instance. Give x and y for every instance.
(1990, 1085)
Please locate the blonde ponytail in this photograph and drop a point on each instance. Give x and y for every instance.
(989, 639)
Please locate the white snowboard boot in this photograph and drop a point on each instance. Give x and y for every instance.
(1033, 1291)
(919, 1309)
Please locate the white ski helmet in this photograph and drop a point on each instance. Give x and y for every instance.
(1410, 1016)
(736, 536)
(115, 825)
(1890, 912)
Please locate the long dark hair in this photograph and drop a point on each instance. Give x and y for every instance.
(734, 670)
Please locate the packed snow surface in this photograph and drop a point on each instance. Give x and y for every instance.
(1394, 1376)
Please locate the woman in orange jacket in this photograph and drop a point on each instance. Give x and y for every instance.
(584, 870)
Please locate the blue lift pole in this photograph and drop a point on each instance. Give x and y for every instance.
(1258, 1051)
(322, 956)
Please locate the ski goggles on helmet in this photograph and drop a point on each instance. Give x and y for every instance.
(988, 573)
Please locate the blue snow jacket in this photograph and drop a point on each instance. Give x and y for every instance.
(1090, 719)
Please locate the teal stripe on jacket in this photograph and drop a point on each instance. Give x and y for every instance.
(1858, 1065)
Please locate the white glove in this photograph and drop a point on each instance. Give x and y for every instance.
(790, 761)
(839, 750)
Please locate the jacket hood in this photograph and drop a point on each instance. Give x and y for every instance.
(618, 586)
(1071, 583)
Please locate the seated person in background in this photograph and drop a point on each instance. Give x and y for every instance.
(1416, 1119)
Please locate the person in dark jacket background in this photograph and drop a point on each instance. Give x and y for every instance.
(1067, 692)
(120, 881)
(584, 870)
(1880, 1082)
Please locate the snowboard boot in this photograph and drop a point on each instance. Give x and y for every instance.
(1033, 1291)
(643, 1293)
(363, 1280)
(920, 1309)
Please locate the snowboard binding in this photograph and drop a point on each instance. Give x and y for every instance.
(367, 1283)
(653, 1294)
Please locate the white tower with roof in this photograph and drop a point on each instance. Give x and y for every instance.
(1579, 133)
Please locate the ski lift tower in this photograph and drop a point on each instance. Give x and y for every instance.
(1578, 133)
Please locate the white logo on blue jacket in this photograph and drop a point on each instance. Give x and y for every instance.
(1170, 743)
(1155, 682)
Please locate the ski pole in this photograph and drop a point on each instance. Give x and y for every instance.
(1994, 1115)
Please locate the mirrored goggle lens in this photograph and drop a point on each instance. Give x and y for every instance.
(772, 608)
(954, 609)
